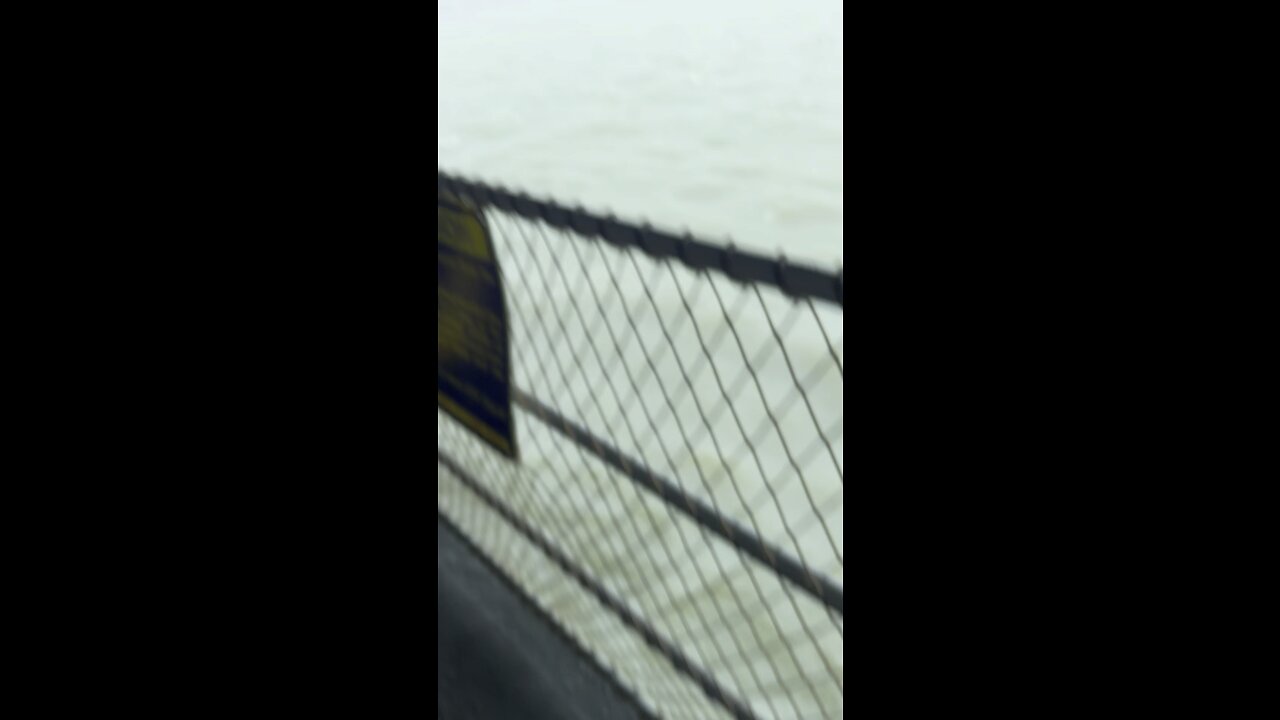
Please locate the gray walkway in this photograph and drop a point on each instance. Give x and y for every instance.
(497, 657)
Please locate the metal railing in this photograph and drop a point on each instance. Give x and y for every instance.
(678, 506)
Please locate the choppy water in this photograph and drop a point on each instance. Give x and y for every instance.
(722, 116)
(725, 116)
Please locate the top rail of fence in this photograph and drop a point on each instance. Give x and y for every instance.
(795, 279)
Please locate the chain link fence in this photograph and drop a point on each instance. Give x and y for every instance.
(678, 506)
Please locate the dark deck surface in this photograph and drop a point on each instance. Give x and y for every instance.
(498, 657)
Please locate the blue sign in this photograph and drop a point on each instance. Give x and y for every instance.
(473, 369)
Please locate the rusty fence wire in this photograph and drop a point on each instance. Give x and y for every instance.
(678, 505)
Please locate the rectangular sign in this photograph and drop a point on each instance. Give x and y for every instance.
(473, 367)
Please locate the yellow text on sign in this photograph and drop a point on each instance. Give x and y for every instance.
(462, 233)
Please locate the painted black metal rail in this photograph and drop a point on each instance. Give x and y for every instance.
(818, 586)
(799, 281)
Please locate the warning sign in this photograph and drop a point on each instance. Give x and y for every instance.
(473, 369)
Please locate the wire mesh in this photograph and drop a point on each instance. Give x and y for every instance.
(682, 463)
